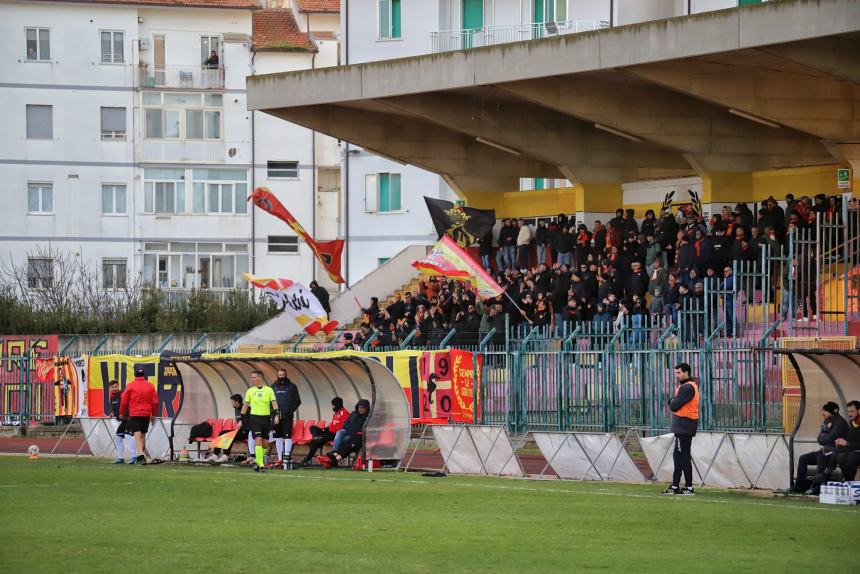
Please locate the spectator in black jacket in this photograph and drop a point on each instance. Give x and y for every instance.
(322, 295)
(353, 435)
(847, 453)
(649, 224)
(541, 241)
(833, 427)
(485, 247)
(685, 422)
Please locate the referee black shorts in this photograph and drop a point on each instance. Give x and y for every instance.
(260, 426)
(284, 428)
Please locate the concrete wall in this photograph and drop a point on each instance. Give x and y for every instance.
(148, 343)
(634, 11)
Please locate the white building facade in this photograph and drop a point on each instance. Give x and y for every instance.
(127, 140)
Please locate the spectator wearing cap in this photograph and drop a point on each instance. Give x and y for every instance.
(833, 427)
(139, 405)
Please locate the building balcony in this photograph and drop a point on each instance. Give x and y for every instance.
(171, 151)
(182, 77)
(450, 40)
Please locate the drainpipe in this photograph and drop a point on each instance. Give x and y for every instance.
(313, 165)
(611, 13)
(346, 156)
(253, 181)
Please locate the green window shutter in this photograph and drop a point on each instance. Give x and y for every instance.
(538, 11)
(395, 18)
(384, 19)
(394, 193)
(539, 183)
(473, 14)
(384, 190)
(561, 11)
(746, 2)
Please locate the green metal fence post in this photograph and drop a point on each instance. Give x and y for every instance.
(100, 344)
(370, 340)
(67, 345)
(295, 346)
(164, 343)
(334, 341)
(403, 345)
(199, 342)
(133, 343)
(444, 343)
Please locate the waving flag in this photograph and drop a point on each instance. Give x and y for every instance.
(465, 225)
(224, 441)
(450, 260)
(297, 301)
(327, 252)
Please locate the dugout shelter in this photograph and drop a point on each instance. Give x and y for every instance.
(209, 381)
(824, 375)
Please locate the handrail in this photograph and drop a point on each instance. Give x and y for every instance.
(67, 345)
(710, 338)
(295, 346)
(569, 338)
(447, 338)
(366, 346)
(408, 338)
(164, 343)
(200, 341)
(133, 344)
(487, 338)
(229, 343)
(616, 336)
(525, 341)
(769, 331)
(101, 343)
(671, 329)
(334, 341)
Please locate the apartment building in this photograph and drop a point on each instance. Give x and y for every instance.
(127, 141)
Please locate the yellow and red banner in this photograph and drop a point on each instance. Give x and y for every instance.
(327, 252)
(450, 260)
(157, 368)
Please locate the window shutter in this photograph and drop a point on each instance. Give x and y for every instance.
(371, 197)
(40, 122)
(395, 18)
(113, 119)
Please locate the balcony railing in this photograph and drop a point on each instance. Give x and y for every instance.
(190, 77)
(450, 40)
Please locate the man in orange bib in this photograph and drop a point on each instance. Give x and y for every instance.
(685, 421)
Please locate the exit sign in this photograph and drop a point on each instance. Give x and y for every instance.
(461, 202)
(843, 178)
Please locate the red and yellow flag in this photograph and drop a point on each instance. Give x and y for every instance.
(327, 252)
(297, 301)
(450, 260)
(224, 441)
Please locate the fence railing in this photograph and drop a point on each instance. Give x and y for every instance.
(196, 77)
(450, 40)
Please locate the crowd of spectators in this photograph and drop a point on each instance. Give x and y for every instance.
(623, 271)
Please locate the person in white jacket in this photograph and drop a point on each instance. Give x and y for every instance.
(524, 240)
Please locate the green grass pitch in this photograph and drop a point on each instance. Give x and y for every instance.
(84, 515)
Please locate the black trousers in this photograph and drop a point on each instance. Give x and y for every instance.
(847, 459)
(683, 460)
(321, 437)
(816, 458)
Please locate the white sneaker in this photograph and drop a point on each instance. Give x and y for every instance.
(211, 457)
(221, 459)
(815, 317)
(803, 320)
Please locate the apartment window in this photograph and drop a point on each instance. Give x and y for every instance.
(40, 122)
(40, 198)
(113, 123)
(389, 18)
(113, 199)
(283, 244)
(38, 44)
(189, 265)
(209, 44)
(114, 273)
(189, 116)
(221, 191)
(40, 272)
(283, 169)
(163, 190)
(112, 47)
(382, 193)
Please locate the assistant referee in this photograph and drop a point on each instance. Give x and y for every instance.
(260, 400)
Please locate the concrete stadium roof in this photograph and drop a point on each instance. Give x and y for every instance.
(765, 86)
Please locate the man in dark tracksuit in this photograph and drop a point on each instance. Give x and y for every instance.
(847, 453)
(685, 422)
(833, 427)
(289, 400)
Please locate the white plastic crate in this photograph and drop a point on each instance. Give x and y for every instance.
(845, 493)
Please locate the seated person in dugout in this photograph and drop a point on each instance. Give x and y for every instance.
(833, 427)
(353, 437)
(329, 433)
(223, 455)
(847, 452)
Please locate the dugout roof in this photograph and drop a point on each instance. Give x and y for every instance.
(209, 381)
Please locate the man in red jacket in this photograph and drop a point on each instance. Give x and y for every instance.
(139, 406)
(324, 435)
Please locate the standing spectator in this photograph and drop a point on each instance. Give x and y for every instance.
(541, 241)
(729, 300)
(372, 310)
(565, 247)
(322, 295)
(637, 282)
(685, 422)
(507, 246)
(212, 62)
(649, 224)
(122, 431)
(598, 238)
(524, 240)
(289, 400)
(658, 278)
(667, 233)
(485, 248)
(139, 405)
(630, 225)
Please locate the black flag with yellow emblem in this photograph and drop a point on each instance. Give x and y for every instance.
(465, 225)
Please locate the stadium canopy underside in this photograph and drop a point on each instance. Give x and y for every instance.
(772, 85)
(824, 375)
(208, 383)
